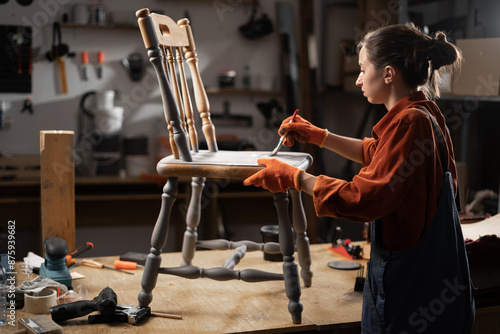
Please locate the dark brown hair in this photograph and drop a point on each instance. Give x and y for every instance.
(418, 56)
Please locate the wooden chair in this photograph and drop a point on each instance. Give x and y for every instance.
(170, 45)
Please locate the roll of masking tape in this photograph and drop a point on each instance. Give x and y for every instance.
(40, 303)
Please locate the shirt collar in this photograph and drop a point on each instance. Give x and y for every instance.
(402, 104)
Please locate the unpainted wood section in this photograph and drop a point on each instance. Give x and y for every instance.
(200, 94)
(186, 101)
(168, 32)
(57, 196)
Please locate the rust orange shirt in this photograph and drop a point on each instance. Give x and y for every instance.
(401, 178)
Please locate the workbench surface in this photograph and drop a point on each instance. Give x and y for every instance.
(209, 306)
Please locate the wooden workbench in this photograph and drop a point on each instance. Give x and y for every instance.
(207, 306)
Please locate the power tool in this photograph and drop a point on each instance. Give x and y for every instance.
(54, 266)
(105, 303)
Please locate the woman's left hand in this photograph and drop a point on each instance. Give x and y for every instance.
(277, 177)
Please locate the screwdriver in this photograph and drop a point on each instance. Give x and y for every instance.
(126, 265)
(85, 61)
(100, 60)
(95, 264)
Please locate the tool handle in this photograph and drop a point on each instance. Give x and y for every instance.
(80, 250)
(62, 73)
(124, 265)
(294, 114)
(100, 57)
(73, 310)
(92, 263)
(85, 57)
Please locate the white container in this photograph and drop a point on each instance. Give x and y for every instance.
(109, 121)
(81, 13)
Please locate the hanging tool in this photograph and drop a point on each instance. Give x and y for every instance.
(277, 148)
(85, 68)
(27, 106)
(57, 53)
(100, 61)
(95, 264)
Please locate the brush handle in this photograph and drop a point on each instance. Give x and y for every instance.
(277, 148)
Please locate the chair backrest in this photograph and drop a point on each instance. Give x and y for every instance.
(169, 46)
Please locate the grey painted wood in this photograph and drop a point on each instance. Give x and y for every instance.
(192, 220)
(300, 227)
(290, 272)
(222, 274)
(235, 257)
(158, 240)
(222, 244)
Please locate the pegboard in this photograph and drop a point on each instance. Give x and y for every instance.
(15, 59)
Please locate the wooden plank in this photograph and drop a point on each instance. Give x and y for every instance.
(57, 181)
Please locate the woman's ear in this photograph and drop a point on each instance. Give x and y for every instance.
(389, 74)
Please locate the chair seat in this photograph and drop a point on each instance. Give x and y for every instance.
(223, 164)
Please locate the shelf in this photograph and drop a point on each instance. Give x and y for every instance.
(100, 27)
(242, 92)
(452, 97)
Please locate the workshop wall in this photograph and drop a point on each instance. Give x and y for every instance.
(220, 47)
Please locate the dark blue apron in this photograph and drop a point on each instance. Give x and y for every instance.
(427, 288)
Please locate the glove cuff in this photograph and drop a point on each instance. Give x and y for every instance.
(322, 142)
(297, 179)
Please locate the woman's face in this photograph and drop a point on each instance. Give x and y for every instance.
(371, 80)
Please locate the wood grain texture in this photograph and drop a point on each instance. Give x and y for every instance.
(57, 181)
(329, 304)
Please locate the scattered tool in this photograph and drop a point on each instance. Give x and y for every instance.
(123, 313)
(85, 68)
(344, 247)
(280, 143)
(55, 261)
(100, 61)
(105, 303)
(360, 279)
(38, 324)
(70, 258)
(95, 264)
(126, 265)
(166, 315)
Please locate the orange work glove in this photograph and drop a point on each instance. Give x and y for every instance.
(303, 131)
(277, 177)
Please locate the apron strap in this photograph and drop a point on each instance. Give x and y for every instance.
(440, 141)
(442, 152)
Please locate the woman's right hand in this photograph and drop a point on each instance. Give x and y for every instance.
(303, 131)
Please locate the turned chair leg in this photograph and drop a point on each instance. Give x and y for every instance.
(192, 221)
(158, 241)
(290, 271)
(300, 226)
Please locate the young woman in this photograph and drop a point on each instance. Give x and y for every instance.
(418, 276)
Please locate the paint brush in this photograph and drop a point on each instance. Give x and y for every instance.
(277, 148)
(38, 324)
